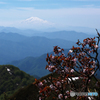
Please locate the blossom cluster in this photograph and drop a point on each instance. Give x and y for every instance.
(65, 66)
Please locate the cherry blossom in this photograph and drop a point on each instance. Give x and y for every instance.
(52, 87)
(72, 70)
(40, 84)
(96, 46)
(70, 51)
(60, 96)
(64, 66)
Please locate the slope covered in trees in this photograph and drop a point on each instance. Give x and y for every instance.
(12, 79)
(30, 92)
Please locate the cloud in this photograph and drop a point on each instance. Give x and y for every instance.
(35, 20)
(38, 18)
(85, 0)
(25, 0)
(31, 0)
(2, 2)
(24, 8)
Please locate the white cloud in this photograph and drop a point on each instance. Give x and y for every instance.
(24, 8)
(35, 20)
(31, 0)
(25, 0)
(85, 0)
(2, 2)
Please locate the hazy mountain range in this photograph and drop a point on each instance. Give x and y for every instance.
(31, 32)
(29, 53)
(14, 46)
(36, 66)
(27, 49)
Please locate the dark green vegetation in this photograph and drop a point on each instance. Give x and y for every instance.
(12, 79)
(30, 92)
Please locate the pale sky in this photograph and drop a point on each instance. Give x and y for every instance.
(38, 14)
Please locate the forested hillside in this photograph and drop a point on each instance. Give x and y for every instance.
(12, 79)
(30, 92)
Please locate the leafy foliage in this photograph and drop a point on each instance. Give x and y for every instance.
(64, 66)
(12, 79)
(30, 92)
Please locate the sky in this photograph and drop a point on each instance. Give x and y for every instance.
(41, 14)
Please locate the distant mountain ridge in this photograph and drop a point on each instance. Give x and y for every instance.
(66, 35)
(25, 32)
(36, 65)
(14, 46)
(32, 65)
(15, 37)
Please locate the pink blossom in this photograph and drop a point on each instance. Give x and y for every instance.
(89, 41)
(62, 81)
(66, 70)
(40, 98)
(62, 70)
(45, 81)
(59, 50)
(63, 54)
(89, 51)
(52, 87)
(52, 66)
(58, 84)
(92, 73)
(84, 43)
(84, 70)
(60, 96)
(75, 60)
(72, 70)
(94, 62)
(67, 92)
(65, 97)
(96, 46)
(70, 51)
(82, 53)
(40, 84)
(93, 66)
(53, 57)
